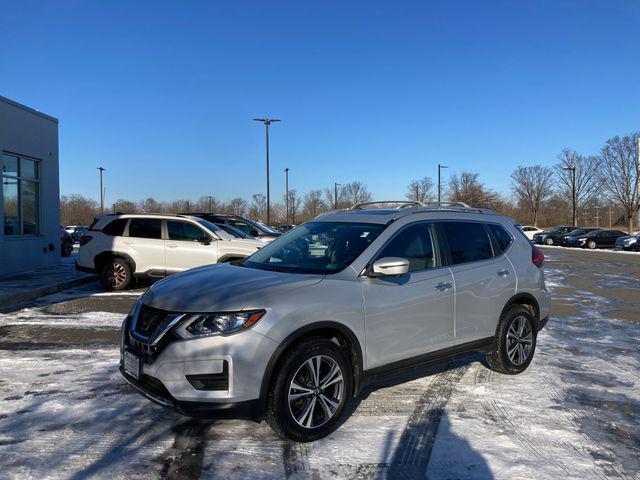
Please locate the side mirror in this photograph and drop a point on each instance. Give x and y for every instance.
(388, 266)
(204, 240)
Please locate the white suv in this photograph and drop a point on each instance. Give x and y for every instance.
(294, 331)
(120, 247)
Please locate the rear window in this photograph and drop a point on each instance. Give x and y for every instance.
(145, 228)
(502, 237)
(467, 241)
(115, 227)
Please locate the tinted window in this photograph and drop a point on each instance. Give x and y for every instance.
(413, 243)
(245, 227)
(115, 227)
(501, 236)
(184, 231)
(468, 242)
(145, 228)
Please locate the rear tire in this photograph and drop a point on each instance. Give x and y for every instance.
(115, 274)
(303, 406)
(515, 342)
(67, 248)
(548, 241)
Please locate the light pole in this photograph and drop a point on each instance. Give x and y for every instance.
(101, 191)
(440, 167)
(335, 195)
(572, 169)
(210, 203)
(286, 187)
(267, 122)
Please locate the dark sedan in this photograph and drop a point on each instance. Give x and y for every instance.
(628, 242)
(550, 237)
(595, 239)
(562, 239)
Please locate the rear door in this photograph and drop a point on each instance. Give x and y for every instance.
(144, 244)
(483, 276)
(188, 246)
(411, 314)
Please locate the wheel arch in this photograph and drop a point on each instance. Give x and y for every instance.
(102, 257)
(527, 300)
(327, 329)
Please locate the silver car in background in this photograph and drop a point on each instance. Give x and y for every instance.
(293, 332)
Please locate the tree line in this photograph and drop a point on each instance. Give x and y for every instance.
(607, 192)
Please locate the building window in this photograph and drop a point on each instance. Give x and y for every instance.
(21, 195)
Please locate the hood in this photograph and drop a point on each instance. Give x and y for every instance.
(222, 287)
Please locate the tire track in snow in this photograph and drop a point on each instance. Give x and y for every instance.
(184, 460)
(411, 458)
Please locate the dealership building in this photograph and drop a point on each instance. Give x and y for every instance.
(29, 198)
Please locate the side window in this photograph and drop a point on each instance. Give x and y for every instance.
(115, 228)
(145, 228)
(501, 236)
(468, 242)
(184, 231)
(413, 243)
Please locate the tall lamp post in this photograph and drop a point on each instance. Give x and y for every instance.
(210, 203)
(286, 188)
(572, 169)
(267, 122)
(440, 167)
(335, 195)
(101, 191)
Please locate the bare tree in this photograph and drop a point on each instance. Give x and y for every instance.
(75, 210)
(258, 207)
(294, 205)
(355, 192)
(420, 190)
(313, 204)
(587, 176)
(150, 205)
(124, 206)
(532, 187)
(620, 168)
(238, 206)
(468, 189)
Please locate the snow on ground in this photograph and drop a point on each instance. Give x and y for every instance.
(67, 413)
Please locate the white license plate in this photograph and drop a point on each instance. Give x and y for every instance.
(132, 365)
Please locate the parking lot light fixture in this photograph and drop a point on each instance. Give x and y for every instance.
(286, 188)
(267, 122)
(440, 167)
(572, 169)
(335, 193)
(101, 170)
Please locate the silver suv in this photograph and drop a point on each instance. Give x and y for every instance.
(293, 332)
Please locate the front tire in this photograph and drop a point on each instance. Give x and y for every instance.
(311, 391)
(116, 274)
(67, 248)
(515, 342)
(592, 245)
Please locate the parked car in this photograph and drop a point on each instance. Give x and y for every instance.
(561, 239)
(76, 231)
(257, 230)
(549, 237)
(595, 239)
(282, 333)
(529, 231)
(286, 228)
(120, 247)
(236, 232)
(66, 243)
(628, 242)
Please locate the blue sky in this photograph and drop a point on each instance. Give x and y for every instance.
(162, 93)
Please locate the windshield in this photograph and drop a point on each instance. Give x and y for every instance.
(580, 231)
(215, 229)
(266, 228)
(319, 247)
(236, 232)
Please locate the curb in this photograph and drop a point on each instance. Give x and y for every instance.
(15, 298)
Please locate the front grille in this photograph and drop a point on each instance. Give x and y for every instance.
(150, 322)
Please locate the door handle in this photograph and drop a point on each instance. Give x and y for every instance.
(502, 273)
(443, 287)
(127, 242)
(172, 245)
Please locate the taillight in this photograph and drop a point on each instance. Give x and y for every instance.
(84, 239)
(537, 257)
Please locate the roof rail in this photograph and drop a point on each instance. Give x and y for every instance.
(447, 204)
(403, 204)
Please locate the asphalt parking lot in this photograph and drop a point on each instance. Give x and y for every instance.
(575, 413)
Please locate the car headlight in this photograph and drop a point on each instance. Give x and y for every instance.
(224, 323)
(631, 241)
(582, 240)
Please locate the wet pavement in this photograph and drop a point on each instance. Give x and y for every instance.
(65, 412)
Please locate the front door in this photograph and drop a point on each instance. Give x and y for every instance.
(411, 314)
(186, 247)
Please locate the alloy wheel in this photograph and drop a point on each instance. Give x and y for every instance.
(519, 340)
(115, 274)
(315, 392)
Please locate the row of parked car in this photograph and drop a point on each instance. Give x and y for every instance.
(583, 237)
